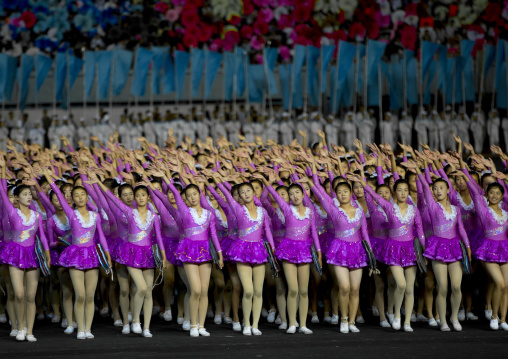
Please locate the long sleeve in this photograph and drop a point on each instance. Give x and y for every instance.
(213, 233)
(182, 208)
(427, 193)
(232, 203)
(419, 227)
(364, 231)
(50, 210)
(285, 208)
(100, 234)
(222, 203)
(157, 232)
(380, 178)
(105, 206)
(268, 231)
(172, 210)
(42, 235)
(8, 207)
(90, 190)
(52, 242)
(385, 205)
(314, 234)
(462, 230)
(69, 212)
(118, 203)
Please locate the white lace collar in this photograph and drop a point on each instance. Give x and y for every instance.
(356, 218)
(104, 215)
(279, 214)
(259, 217)
(320, 212)
(223, 223)
(367, 214)
(449, 216)
(305, 216)
(463, 204)
(209, 202)
(407, 217)
(139, 222)
(91, 219)
(380, 209)
(336, 202)
(60, 225)
(199, 220)
(39, 210)
(27, 222)
(499, 219)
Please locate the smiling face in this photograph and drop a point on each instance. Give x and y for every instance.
(192, 195)
(401, 192)
(295, 196)
(440, 190)
(494, 195)
(246, 194)
(141, 197)
(343, 194)
(80, 197)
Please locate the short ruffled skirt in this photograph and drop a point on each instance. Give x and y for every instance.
(474, 239)
(189, 251)
(376, 243)
(294, 251)
(81, 258)
(489, 250)
(225, 245)
(18, 256)
(324, 241)
(396, 253)
(247, 252)
(170, 246)
(346, 254)
(55, 256)
(135, 256)
(443, 249)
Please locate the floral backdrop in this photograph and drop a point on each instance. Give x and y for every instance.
(221, 25)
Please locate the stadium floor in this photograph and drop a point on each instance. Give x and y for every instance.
(326, 342)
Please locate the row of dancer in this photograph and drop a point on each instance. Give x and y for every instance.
(314, 210)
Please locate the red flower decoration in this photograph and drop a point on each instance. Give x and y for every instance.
(205, 33)
(302, 13)
(190, 40)
(285, 21)
(216, 45)
(284, 52)
(194, 3)
(248, 7)
(492, 12)
(161, 7)
(29, 19)
(246, 32)
(257, 42)
(356, 30)
(189, 17)
(260, 26)
(408, 36)
(454, 10)
(427, 22)
(372, 30)
(230, 40)
(234, 20)
(337, 35)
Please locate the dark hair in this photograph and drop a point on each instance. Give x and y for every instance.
(235, 188)
(336, 180)
(256, 181)
(140, 188)
(408, 176)
(491, 186)
(20, 188)
(42, 180)
(282, 187)
(315, 145)
(51, 195)
(245, 184)
(111, 183)
(178, 187)
(384, 185)
(76, 177)
(296, 185)
(343, 184)
(398, 183)
(64, 185)
(124, 187)
(441, 180)
(191, 186)
(485, 175)
(78, 188)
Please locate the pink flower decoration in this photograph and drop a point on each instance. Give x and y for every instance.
(216, 45)
(382, 20)
(259, 58)
(161, 7)
(285, 21)
(372, 30)
(256, 43)
(286, 2)
(15, 21)
(246, 32)
(408, 36)
(267, 14)
(260, 26)
(29, 19)
(190, 40)
(284, 52)
(230, 40)
(178, 2)
(248, 7)
(173, 14)
(234, 20)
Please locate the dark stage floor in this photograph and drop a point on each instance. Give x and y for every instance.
(170, 341)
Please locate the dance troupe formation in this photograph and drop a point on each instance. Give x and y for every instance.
(297, 226)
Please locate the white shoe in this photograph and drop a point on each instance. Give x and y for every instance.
(438, 322)
(136, 328)
(353, 329)
(13, 333)
(396, 324)
(65, 323)
(147, 334)
(407, 328)
(55, 319)
(168, 316)
(118, 323)
(283, 326)
(75, 325)
(385, 324)
(247, 331)
(278, 321)
(335, 319)
(179, 320)
(413, 318)
(129, 317)
(344, 327)
(462, 315)
(305, 330)
(81, 335)
(217, 319)
(445, 328)
(314, 320)
(186, 325)
(256, 331)
(264, 313)
(209, 313)
(503, 326)
(126, 329)
(471, 316)
(104, 312)
(432, 322)
(89, 335)
(228, 320)
(30, 338)
(421, 318)
(297, 324)
(391, 317)
(375, 311)
(291, 330)
(494, 324)
(194, 332)
(327, 319)
(41, 316)
(456, 326)
(271, 316)
(203, 332)
(3, 318)
(488, 314)
(69, 330)
(360, 320)
(237, 327)
(21, 336)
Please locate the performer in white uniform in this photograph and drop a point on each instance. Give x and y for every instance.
(493, 124)
(332, 130)
(406, 128)
(421, 124)
(387, 128)
(348, 131)
(286, 129)
(4, 133)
